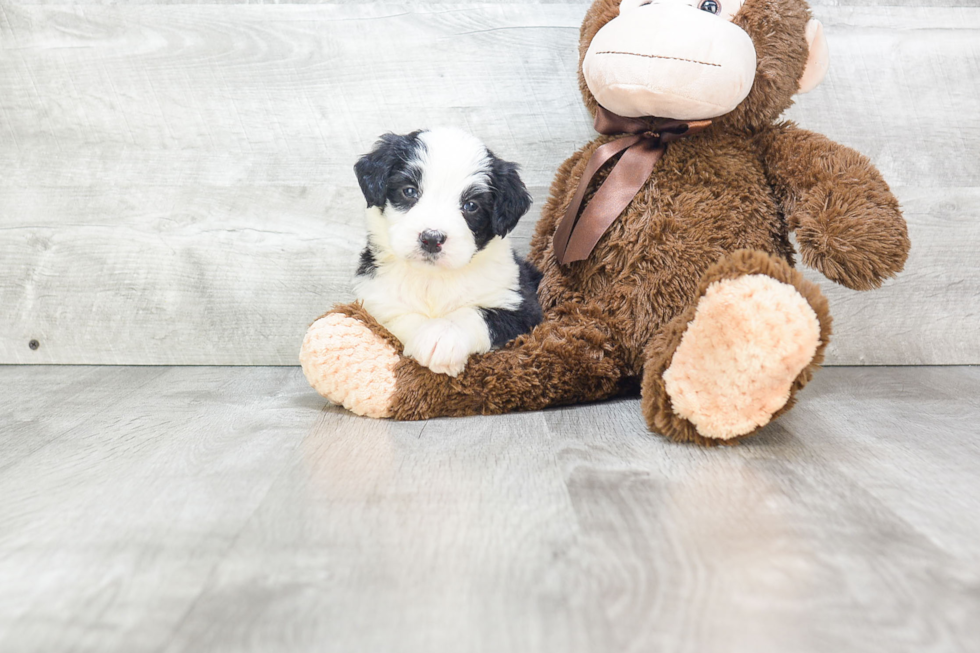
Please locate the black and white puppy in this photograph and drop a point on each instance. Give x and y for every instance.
(438, 270)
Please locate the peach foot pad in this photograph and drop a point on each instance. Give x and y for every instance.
(350, 365)
(735, 366)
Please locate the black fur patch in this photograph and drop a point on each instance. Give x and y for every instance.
(510, 197)
(368, 264)
(404, 176)
(505, 325)
(384, 171)
(479, 221)
(500, 207)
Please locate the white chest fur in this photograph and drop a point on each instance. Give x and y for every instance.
(404, 295)
(398, 286)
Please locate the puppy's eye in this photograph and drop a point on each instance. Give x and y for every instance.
(711, 6)
(410, 191)
(471, 206)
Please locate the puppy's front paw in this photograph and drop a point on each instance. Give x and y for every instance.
(442, 346)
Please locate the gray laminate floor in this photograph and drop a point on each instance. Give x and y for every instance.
(226, 509)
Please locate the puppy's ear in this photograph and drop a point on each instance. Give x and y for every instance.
(374, 168)
(510, 197)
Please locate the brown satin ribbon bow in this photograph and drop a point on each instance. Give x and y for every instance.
(644, 143)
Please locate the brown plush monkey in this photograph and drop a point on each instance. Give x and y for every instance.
(688, 293)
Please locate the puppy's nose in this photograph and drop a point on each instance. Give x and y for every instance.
(432, 240)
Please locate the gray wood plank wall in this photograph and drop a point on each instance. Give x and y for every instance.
(176, 185)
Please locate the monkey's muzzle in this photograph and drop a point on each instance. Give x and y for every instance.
(670, 60)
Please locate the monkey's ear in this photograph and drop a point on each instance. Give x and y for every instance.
(818, 60)
(510, 197)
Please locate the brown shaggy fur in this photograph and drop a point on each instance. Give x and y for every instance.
(616, 318)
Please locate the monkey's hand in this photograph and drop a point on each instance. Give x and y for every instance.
(847, 222)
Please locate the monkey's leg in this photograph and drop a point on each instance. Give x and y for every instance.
(570, 357)
(735, 359)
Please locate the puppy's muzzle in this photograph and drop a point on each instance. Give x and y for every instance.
(431, 241)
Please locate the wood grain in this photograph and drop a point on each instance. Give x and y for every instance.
(225, 509)
(43, 406)
(176, 180)
(110, 529)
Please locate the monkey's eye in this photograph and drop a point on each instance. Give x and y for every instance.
(471, 206)
(410, 191)
(711, 6)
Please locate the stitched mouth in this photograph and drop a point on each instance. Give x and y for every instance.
(659, 56)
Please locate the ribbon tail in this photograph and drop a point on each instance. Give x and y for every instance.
(601, 155)
(628, 176)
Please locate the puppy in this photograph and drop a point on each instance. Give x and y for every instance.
(438, 270)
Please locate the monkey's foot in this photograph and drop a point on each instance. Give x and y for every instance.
(350, 364)
(735, 361)
(733, 370)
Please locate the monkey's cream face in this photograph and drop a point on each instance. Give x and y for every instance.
(681, 59)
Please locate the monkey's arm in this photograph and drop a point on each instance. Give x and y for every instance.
(847, 222)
